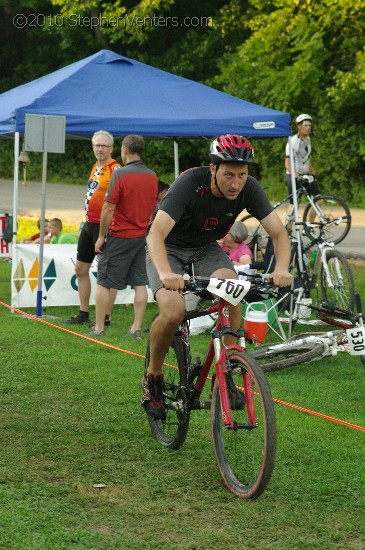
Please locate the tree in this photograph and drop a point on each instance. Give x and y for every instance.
(308, 56)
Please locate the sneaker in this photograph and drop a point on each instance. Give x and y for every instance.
(94, 334)
(152, 396)
(237, 399)
(79, 319)
(137, 335)
(107, 323)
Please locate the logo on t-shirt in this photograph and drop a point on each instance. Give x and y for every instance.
(210, 224)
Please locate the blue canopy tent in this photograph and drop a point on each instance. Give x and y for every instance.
(111, 92)
(123, 96)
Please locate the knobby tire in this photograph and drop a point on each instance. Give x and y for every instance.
(245, 457)
(338, 223)
(172, 431)
(343, 292)
(272, 358)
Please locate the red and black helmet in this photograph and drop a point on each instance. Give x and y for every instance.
(231, 148)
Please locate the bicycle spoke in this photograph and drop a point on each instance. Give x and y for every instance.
(338, 283)
(332, 217)
(172, 431)
(245, 455)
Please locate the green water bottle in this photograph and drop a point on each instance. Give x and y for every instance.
(313, 258)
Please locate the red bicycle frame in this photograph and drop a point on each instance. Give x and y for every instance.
(219, 351)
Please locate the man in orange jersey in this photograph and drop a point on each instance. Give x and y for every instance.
(102, 143)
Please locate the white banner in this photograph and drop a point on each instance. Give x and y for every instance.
(5, 248)
(59, 279)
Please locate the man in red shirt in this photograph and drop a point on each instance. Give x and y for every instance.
(129, 203)
(97, 186)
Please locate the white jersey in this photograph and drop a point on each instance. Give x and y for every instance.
(301, 150)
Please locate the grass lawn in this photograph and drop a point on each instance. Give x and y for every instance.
(70, 419)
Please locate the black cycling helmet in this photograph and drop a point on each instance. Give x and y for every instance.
(231, 148)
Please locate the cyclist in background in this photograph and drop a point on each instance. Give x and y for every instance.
(302, 148)
(199, 209)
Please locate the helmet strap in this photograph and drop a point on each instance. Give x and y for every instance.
(215, 180)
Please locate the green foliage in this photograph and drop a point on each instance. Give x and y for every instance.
(308, 57)
(295, 56)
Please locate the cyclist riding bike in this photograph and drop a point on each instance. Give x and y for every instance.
(199, 208)
(302, 148)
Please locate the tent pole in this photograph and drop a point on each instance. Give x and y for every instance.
(14, 252)
(16, 180)
(296, 215)
(176, 158)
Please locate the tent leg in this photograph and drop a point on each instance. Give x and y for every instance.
(176, 158)
(14, 251)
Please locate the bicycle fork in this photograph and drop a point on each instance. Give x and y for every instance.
(324, 248)
(221, 370)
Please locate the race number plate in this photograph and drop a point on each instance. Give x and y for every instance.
(230, 290)
(356, 339)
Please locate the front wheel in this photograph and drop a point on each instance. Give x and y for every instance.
(172, 431)
(337, 282)
(245, 455)
(333, 215)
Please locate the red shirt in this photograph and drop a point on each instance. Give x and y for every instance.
(133, 189)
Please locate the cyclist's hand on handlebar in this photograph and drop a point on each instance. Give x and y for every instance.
(281, 278)
(172, 281)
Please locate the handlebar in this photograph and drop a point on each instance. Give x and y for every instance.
(258, 282)
(305, 179)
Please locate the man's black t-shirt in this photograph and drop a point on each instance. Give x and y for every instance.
(202, 218)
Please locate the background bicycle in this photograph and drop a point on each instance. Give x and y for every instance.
(239, 398)
(332, 218)
(308, 346)
(320, 274)
(325, 277)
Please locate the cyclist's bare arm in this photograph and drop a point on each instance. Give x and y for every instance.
(287, 164)
(273, 226)
(287, 167)
(160, 228)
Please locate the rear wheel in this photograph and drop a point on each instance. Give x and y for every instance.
(172, 431)
(335, 215)
(286, 354)
(338, 285)
(245, 455)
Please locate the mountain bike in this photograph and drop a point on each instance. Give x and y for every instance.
(330, 276)
(324, 277)
(310, 346)
(332, 218)
(240, 403)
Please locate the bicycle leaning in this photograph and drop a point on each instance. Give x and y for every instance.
(241, 406)
(309, 346)
(332, 217)
(330, 276)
